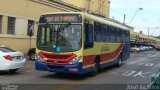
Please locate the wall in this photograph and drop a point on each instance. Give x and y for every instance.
(97, 6)
(22, 10)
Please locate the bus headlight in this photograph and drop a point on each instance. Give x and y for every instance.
(37, 57)
(75, 60)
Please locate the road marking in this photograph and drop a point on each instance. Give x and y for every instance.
(145, 58)
(141, 74)
(128, 73)
(144, 64)
(130, 63)
(153, 56)
(134, 73)
(149, 64)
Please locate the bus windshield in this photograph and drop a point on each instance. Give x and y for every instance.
(66, 37)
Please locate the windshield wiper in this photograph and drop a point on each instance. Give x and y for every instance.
(59, 30)
(62, 28)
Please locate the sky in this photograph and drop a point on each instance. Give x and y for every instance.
(148, 18)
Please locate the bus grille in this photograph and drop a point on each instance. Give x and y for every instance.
(53, 58)
(56, 56)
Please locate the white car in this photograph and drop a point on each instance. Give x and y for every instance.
(134, 49)
(143, 48)
(11, 60)
(147, 48)
(150, 47)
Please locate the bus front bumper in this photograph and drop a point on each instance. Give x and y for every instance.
(75, 69)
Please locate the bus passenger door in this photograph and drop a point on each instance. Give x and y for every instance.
(88, 53)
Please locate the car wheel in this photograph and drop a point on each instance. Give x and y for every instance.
(13, 70)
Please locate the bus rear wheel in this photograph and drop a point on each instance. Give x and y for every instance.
(119, 63)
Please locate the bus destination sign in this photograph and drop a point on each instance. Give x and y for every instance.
(63, 18)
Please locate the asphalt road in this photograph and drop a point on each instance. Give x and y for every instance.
(134, 74)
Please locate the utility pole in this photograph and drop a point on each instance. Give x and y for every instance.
(148, 31)
(89, 5)
(124, 19)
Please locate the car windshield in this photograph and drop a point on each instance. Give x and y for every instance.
(59, 38)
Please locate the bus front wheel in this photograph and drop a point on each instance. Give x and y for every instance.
(96, 68)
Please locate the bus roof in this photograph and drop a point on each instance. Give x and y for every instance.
(108, 21)
(102, 19)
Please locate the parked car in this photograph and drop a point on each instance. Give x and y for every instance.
(146, 48)
(134, 49)
(141, 48)
(157, 47)
(150, 47)
(11, 60)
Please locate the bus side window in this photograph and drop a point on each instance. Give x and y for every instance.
(123, 36)
(97, 32)
(119, 36)
(127, 37)
(105, 33)
(88, 36)
(112, 34)
(116, 36)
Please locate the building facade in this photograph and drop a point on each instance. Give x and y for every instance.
(17, 17)
(140, 38)
(101, 7)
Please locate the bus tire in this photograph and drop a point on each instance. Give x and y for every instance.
(119, 63)
(96, 67)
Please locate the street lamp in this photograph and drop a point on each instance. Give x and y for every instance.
(138, 10)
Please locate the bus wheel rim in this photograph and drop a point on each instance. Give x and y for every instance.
(95, 68)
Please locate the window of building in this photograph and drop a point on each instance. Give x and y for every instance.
(0, 24)
(11, 25)
(30, 29)
(105, 33)
(97, 32)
